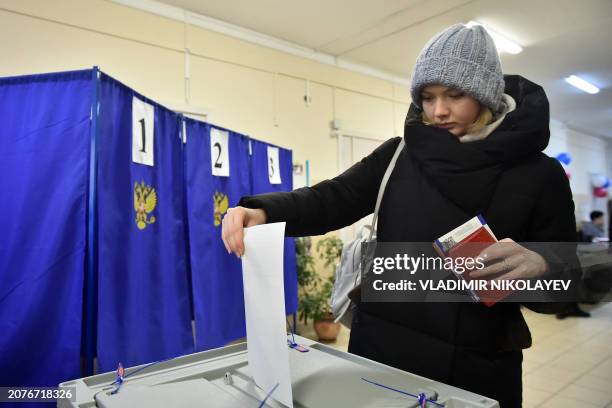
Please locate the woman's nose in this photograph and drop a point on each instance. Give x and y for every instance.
(441, 109)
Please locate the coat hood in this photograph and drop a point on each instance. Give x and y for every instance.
(524, 131)
(466, 173)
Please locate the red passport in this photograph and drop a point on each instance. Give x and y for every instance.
(468, 241)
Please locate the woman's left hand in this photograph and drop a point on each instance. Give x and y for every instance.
(508, 260)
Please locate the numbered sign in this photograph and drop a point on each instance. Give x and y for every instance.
(219, 152)
(273, 166)
(143, 136)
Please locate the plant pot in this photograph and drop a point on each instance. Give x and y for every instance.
(326, 328)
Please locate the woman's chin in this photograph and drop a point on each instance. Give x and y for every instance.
(457, 132)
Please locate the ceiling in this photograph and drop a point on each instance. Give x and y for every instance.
(559, 38)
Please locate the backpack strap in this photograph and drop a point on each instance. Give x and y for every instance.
(383, 185)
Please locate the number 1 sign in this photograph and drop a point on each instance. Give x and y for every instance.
(143, 118)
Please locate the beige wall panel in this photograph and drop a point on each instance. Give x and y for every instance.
(401, 93)
(214, 45)
(364, 115)
(359, 83)
(67, 48)
(400, 116)
(239, 98)
(306, 128)
(107, 17)
(125, 22)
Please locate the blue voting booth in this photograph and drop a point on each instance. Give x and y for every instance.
(272, 170)
(222, 166)
(110, 221)
(143, 292)
(44, 164)
(217, 174)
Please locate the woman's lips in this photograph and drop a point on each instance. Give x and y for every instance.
(445, 125)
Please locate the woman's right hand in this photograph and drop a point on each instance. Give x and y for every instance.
(235, 221)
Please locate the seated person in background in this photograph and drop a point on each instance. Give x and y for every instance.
(594, 228)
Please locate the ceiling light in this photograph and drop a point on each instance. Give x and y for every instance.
(581, 84)
(502, 43)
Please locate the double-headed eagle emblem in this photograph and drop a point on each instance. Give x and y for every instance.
(145, 200)
(221, 205)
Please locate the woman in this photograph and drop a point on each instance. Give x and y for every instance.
(471, 148)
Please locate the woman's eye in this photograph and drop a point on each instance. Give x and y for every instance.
(426, 98)
(457, 96)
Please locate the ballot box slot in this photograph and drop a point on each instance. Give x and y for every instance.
(242, 386)
(210, 374)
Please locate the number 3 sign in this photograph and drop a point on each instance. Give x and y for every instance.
(219, 152)
(273, 166)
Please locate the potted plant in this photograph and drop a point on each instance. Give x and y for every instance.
(315, 292)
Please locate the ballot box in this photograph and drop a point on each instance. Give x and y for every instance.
(220, 378)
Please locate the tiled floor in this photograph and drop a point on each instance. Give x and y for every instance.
(569, 364)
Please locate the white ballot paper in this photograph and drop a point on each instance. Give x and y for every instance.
(264, 304)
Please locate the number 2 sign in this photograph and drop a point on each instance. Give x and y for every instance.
(219, 152)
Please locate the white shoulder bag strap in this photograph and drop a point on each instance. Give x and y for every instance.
(383, 184)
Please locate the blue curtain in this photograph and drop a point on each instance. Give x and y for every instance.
(218, 298)
(143, 292)
(44, 153)
(144, 288)
(260, 183)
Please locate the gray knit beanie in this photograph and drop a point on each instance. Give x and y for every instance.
(463, 58)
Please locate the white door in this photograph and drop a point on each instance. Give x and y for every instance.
(351, 150)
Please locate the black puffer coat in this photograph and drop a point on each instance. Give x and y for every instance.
(437, 184)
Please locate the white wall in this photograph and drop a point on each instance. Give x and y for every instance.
(590, 155)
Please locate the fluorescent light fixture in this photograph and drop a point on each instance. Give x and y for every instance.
(581, 84)
(502, 43)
